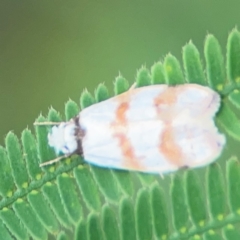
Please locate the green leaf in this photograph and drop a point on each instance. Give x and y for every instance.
(73, 199)
(69, 197)
(230, 121)
(6, 184)
(107, 183)
(230, 232)
(62, 236)
(214, 63)
(121, 85)
(87, 187)
(4, 232)
(158, 73)
(29, 219)
(233, 60)
(215, 188)
(44, 151)
(110, 224)
(143, 215)
(52, 196)
(234, 98)
(173, 70)
(125, 182)
(31, 155)
(127, 219)
(143, 77)
(94, 230)
(195, 199)
(159, 211)
(71, 109)
(43, 211)
(17, 164)
(192, 65)
(12, 222)
(179, 206)
(101, 93)
(86, 99)
(212, 235)
(233, 177)
(81, 231)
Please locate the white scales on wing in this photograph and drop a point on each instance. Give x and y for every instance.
(157, 129)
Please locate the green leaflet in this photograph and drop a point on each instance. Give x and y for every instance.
(192, 65)
(74, 200)
(215, 63)
(109, 222)
(179, 206)
(159, 211)
(158, 74)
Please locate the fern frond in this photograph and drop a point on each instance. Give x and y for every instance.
(75, 200)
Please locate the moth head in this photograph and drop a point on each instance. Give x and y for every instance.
(63, 138)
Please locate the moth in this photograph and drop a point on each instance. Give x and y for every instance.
(155, 129)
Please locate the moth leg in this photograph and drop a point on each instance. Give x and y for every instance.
(46, 123)
(54, 160)
(133, 86)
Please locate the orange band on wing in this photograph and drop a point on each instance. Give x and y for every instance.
(170, 149)
(129, 159)
(121, 113)
(168, 97)
(119, 128)
(164, 103)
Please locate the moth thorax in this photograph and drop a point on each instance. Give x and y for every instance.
(63, 138)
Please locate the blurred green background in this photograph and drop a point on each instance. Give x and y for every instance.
(51, 50)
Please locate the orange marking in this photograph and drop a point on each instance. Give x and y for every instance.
(170, 149)
(120, 128)
(168, 97)
(164, 104)
(121, 113)
(130, 160)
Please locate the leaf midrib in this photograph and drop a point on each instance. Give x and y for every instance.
(36, 184)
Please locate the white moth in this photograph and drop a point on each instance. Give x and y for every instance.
(155, 129)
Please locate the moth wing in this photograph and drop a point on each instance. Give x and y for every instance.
(129, 131)
(135, 148)
(167, 102)
(201, 143)
(197, 100)
(149, 151)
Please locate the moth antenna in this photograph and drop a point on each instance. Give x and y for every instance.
(54, 160)
(134, 85)
(46, 123)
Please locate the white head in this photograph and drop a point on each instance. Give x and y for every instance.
(63, 138)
